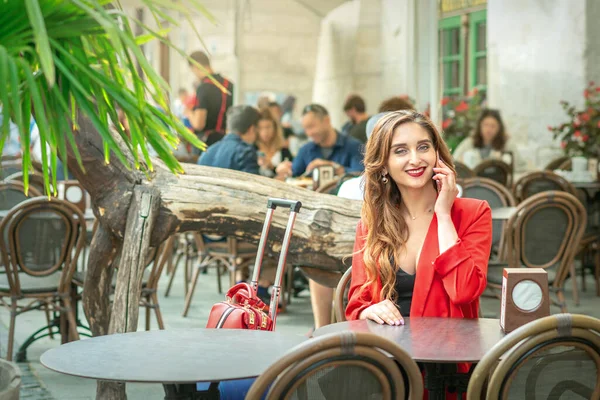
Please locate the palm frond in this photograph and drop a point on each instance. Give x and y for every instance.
(63, 58)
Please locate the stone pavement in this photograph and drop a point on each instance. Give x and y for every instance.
(40, 383)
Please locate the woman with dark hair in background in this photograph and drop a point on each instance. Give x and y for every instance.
(488, 141)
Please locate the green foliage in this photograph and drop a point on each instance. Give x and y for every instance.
(460, 115)
(580, 135)
(59, 58)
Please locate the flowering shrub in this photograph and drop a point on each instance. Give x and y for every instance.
(580, 135)
(460, 116)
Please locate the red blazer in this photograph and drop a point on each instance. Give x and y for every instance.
(446, 285)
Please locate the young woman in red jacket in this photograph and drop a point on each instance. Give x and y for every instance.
(420, 251)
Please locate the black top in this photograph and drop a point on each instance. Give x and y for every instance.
(216, 102)
(405, 284)
(287, 132)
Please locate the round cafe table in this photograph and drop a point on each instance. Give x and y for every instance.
(438, 343)
(176, 358)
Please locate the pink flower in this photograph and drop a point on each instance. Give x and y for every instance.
(586, 93)
(585, 138)
(577, 134)
(446, 123)
(550, 128)
(445, 101)
(563, 144)
(585, 117)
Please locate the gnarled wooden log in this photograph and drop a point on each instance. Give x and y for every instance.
(219, 201)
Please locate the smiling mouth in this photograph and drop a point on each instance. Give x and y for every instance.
(416, 172)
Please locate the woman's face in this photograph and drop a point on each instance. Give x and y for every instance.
(266, 130)
(489, 129)
(412, 156)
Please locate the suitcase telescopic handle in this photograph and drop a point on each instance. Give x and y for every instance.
(291, 204)
(272, 204)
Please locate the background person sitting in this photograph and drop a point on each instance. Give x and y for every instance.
(326, 147)
(271, 145)
(488, 141)
(356, 110)
(236, 150)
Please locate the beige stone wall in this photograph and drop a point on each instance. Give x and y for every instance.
(274, 47)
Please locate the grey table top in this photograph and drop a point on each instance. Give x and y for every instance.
(172, 356)
(433, 340)
(503, 212)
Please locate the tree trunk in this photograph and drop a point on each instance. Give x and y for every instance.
(210, 200)
(140, 221)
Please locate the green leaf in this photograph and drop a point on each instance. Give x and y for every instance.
(38, 24)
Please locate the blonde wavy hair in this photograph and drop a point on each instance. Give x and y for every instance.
(387, 230)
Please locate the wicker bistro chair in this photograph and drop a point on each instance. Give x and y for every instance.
(346, 365)
(556, 357)
(496, 195)
(557, 163)
(545, 232)
(44, 240)
(462, 171)
(8, 168)
(496, 170)
(36, 180)
(340, 298)
(13, 193)
(540, 181)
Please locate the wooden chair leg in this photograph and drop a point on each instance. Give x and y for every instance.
(148, 315)
(190, 292)
(11, 330)
(74, 335)
(186, 273)
(574, 283)
(168, 252)
(159, 318)
(290, 283)
(583, 285)
(173, 275)
(562, 301)
(597, 272)
(47, 312)
(219, 282)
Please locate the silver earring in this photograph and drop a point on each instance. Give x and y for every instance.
(384, 179)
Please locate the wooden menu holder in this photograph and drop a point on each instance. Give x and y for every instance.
(74, 194)
(323, 175)
(525, 297)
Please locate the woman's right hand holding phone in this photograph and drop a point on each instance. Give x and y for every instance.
(384, 312)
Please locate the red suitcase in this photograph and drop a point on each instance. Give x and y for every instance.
(242, 308)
